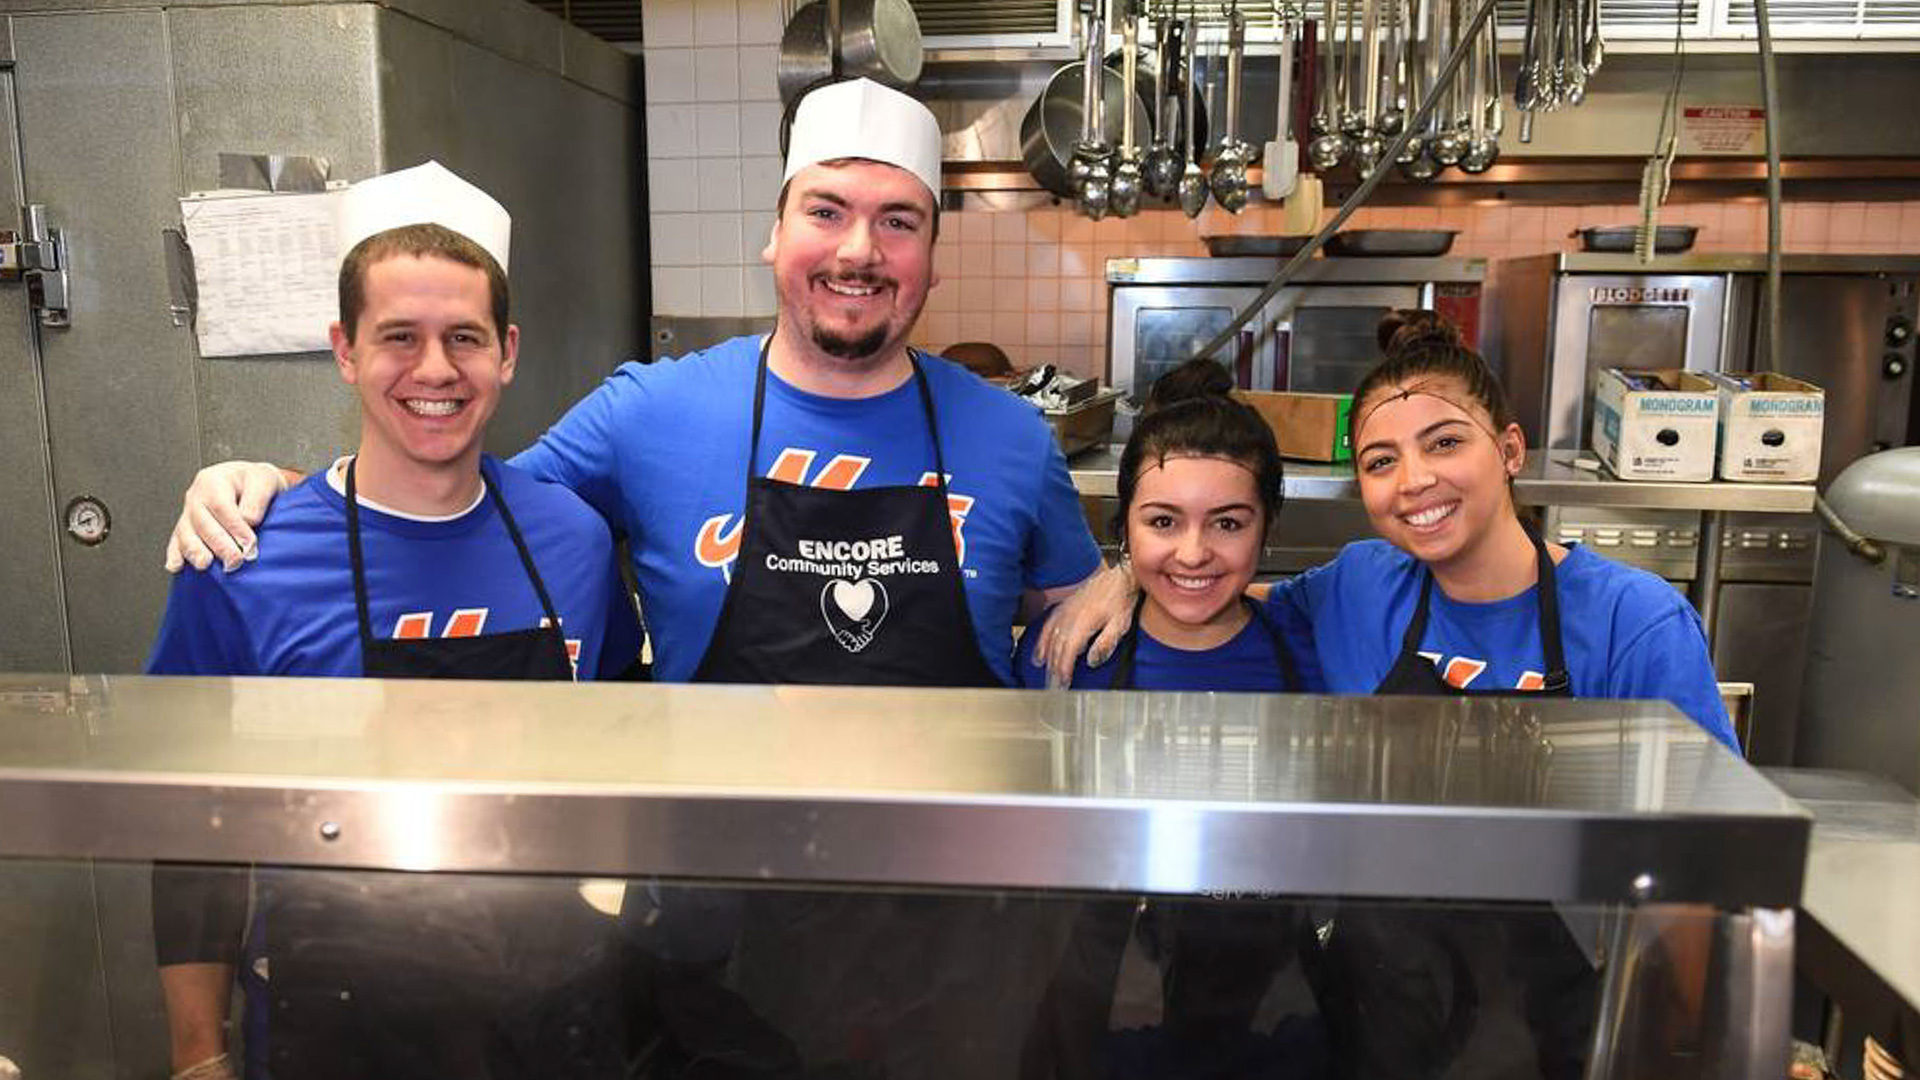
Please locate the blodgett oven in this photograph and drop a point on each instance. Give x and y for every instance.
(1317, 335)
(1849, 323)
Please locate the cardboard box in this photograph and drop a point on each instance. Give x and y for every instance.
(1656, 425)
(1770, 428)
(1307, 427)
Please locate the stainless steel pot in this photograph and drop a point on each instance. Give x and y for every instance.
(1052, 125)
(879, 40)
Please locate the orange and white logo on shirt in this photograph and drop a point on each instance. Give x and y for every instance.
(464, 622)
(1459, 672)
(717, 542)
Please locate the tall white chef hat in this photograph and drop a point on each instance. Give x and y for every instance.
(860, 118)
(427, 194)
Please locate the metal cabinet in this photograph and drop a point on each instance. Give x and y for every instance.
(110, 113)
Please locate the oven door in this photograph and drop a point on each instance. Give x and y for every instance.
(1641, 322)
(1326, 337)
(1156, 328)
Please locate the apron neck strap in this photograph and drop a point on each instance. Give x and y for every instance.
(1124, 658)
(926, 406)
(358, 561)
(1546, 596)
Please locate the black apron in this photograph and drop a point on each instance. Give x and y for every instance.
(1129, 644)
(536, 653)
(1415, 674)
(867, 590)
(1418, 991)
(406, 975)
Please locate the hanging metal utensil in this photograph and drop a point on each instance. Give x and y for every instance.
(1125, 196)
(1353, 121)
(1192, 191)
(1413, 161)
(1449, 143)
(1280, 160)
(1096, 181)
(1368, 145)
(1160, 170)
(1229, 176)
(1482, 146)
(1394, 70)
(1329, 146)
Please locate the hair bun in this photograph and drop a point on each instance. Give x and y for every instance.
(1411, 328)
(1197, 378)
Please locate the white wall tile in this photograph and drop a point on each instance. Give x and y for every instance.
(1010, 261)
(717, 129)
(760, 127)
(669, 75)
(722, 290)
(761, 298)
(720, 239)
(676, 239)
(670, 132)
(676, 290)
(673, 185)
(755, 227)
(716, 22)
(760, 73)
(760, 182)
(667, 22)
(716, 74)
(720, 183)
(759, 22)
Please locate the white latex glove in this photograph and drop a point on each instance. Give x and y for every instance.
(219, 512)
(1092, 621)
(214, 1068)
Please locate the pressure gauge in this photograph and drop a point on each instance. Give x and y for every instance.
(88, 520)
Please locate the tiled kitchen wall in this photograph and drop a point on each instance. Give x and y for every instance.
(713, 152)
(1033, 283)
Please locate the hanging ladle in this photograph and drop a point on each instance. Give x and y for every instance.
(1329, 145)
(1125, 194)
(1193, 186)
(1160, 170)
(1229, 177)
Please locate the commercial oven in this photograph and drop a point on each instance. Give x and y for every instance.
(1318, 335)
(1849, 323)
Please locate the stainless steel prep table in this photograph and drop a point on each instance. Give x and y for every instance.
(1859, 941)
(1008, 798)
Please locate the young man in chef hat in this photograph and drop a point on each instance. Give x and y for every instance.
(415, 556)
(822, 505)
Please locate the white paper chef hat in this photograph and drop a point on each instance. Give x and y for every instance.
(862, 119)
(427, 194)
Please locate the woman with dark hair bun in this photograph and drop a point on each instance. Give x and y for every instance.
(1199, 483)
(1459, 595)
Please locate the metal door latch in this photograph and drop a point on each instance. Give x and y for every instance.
(40, 260)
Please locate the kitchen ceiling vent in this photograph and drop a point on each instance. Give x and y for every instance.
(1828, 18)
(1621, 18)
(616, 21)
(973, 18)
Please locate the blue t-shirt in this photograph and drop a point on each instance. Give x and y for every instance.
(661, 450)
(291, 612)
(1243, 663)
(1627, 633)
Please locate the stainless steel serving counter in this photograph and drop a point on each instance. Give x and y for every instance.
(1859, 941)
(1548, 480)
(882, 882)
(1565, 801)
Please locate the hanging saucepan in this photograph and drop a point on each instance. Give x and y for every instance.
(1052, 124)
(879, 40)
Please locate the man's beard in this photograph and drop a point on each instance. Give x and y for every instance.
(846, 348)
